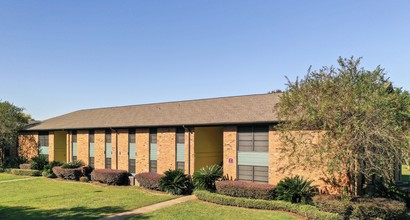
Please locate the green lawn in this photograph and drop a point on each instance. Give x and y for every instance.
(201, 210)
(46, 198)
(5, 176)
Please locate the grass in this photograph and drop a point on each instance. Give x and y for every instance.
(201, 210)
(43, 198)
(6, 176)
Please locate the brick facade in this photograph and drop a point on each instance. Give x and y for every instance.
(83, 146)
(166, 149)
(142, 145)
(28, 144)
(99, 148)
(123, 149)
(229, 152)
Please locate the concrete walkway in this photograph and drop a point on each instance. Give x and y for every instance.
(149, 208)
(16, 180)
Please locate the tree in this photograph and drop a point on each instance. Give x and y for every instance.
(12, 120)
(361, 118)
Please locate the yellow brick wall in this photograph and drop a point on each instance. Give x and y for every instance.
(142, 145)
(123, 149)
(83, 146)
(99, 148)
(51, 146)
(190, 151)
(229, 158)
(166, 140)
(28, 144)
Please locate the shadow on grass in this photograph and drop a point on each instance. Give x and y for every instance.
(24, 212)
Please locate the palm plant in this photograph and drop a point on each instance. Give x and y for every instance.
(205, 177)
(295, 189)
(175, 182)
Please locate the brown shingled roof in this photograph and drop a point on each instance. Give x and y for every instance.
(215, 111)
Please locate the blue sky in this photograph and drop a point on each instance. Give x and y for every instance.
(61, 56)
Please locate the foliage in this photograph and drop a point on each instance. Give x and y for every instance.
(13, 162)
(176, 182)
(149, 180)
(84, 179)
(12, 120)
(48, 169)
(362, 208)
(25, 172)
(73, 164)
(205, 177)
(361, 118)
(38, 162)
(295, 189)
(110, 176)
(25, 166)
(390, 191)
(68, 174)
(245, 189)
(307, 211)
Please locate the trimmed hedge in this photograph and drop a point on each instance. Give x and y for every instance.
(68, 174)
(110, 176)
(25, 172)
(149, 180)
(245, 189)
(25, 166)
(307, 211)
(362, 208)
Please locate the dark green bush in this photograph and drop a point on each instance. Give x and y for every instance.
(245, 189)
(205, 177)
(148, 180)
(48, 169)
(68, 174)
(362, 208)
(13, 162)
(110, 176)
(390, 191)
(295, 189)
(38, 162)
(307, 211)
(73, 164)
(25, 172)
(176, 182)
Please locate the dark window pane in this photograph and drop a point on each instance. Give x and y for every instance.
(152, 166)
(259, 174)
(74, 158)
(180, 135)
(131, 137)
(108, 137)
(131, 166)
(74, 136)
(181, 165)
(91, 136)
(153, 135)
(91, 162)
(107, 163)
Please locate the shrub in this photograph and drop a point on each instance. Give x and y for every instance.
(149, 180)
(38, 162)
(48, 169)
(176, 182)
(295, 189)
(7, 170)
(205, 177)
(13, 162)
(110, 177)
(246, 189)
(84, 179)
(390, 191)
(25, 166)
(73, 164)
(68, 174)
(25, 172)
(308, 211)
(362, 208)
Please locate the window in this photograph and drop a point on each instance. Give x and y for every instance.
(131, 151)
(108, 149)
(253, 157)
(43, 143)
(153, 150)
(180, 149)
(74, 145)
(91, 148)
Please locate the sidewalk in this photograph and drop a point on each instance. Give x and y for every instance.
(149, 208)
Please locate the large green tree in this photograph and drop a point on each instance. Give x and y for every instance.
(12, 120)
(362, 119)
